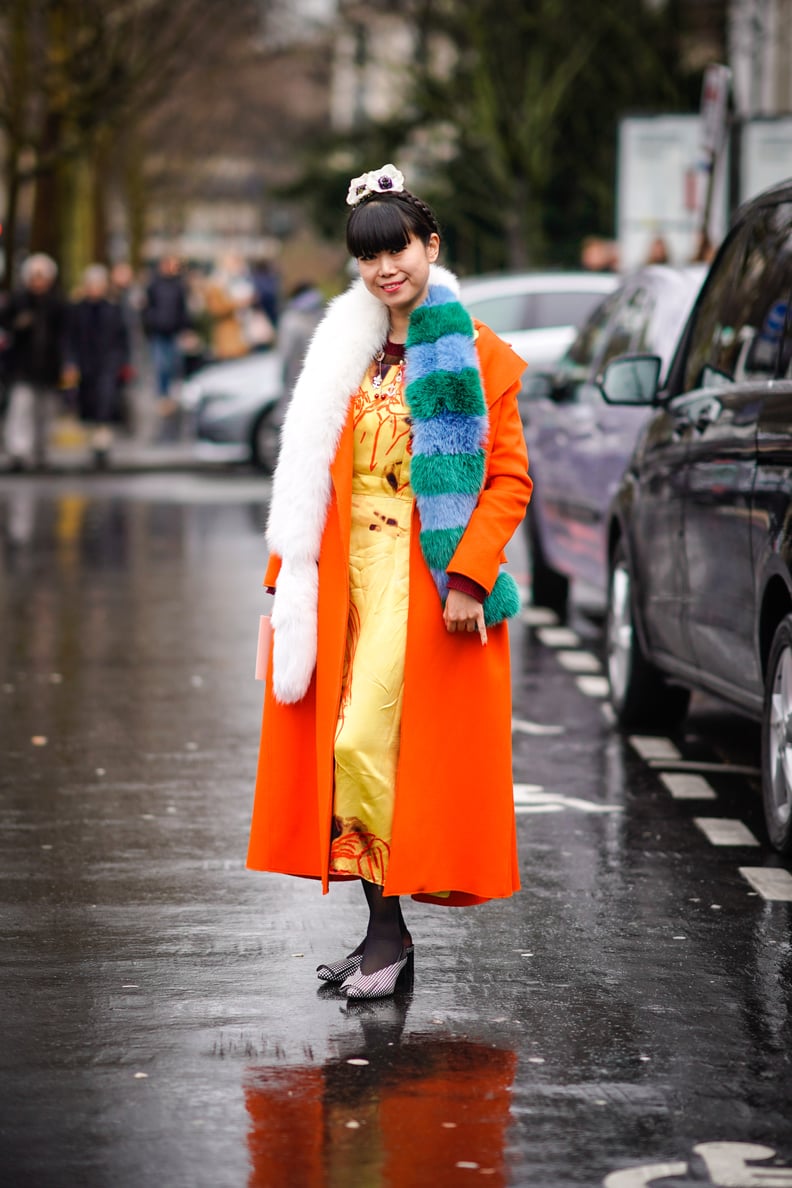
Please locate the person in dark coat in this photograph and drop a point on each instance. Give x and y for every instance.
(165, 316)
(98, 358)
(34, 320)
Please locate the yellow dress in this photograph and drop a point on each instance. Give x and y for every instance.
(369, 721)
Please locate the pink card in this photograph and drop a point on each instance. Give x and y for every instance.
(263, 650)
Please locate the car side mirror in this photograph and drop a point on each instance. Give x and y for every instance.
(631, 379)
(537, 385)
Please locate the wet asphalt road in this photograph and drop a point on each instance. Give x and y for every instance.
(161, 1023)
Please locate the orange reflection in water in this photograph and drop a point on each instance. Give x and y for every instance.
(411, 1116)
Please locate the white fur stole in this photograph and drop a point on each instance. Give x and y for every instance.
(346, 340)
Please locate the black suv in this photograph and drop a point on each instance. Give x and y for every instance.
(700, 532)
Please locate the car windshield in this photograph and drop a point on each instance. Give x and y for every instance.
(509, 312)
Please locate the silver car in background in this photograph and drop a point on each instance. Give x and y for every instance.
(232, 406)
(537, 313)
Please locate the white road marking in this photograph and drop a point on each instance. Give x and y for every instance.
(533, 798)
(637, 1177)
(731, 1165)
(725, 831)
(770, 881)
(558, 637)
(593, 686)
(653, 748)
(523, 726)
(579, 662)
(538, 616)
(688, 787)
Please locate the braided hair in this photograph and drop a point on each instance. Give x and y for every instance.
(386, 222)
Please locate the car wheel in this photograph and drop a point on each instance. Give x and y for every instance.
(265, 443)
(777, 739)
(548, 587)
(640, 694)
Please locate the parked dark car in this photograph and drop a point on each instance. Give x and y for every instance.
(700, 534)
(578, 445)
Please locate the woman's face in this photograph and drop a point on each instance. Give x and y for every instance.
(400, 280)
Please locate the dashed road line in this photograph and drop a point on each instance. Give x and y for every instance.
(726, 831)
(593, 686)
(687, 787)
(523, 726)
(538, 616)
(653, 748)
(533, 798)
(558, 637)
(771, 882)
(681, 777)
(579, 661)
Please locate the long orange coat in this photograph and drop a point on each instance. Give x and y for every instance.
(453, 824)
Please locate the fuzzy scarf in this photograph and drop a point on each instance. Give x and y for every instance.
(447, 471)
(450, 425)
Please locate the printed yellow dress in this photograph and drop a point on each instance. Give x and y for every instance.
(367, 735)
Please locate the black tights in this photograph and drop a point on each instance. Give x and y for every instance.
(387, 933)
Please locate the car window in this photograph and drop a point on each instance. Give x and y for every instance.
(741, 321)
(563, 309)
(628, 329)
(586, 346)
(504, 313)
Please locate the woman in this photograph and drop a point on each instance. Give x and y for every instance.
(386, 740)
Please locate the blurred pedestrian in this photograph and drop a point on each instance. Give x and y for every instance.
(658, 252)
(704, 250)
(266, 285)
(301, 316)
(599, 255)
(165, 317)
(229, 296)
(97, 355)
(34, 321)
(386, 743)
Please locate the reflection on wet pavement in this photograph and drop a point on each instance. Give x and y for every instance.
(162, 1022)
(384, 1109)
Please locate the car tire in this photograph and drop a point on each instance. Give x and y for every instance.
(548, 587)
(777, 739)
(640, 694)
(265, 442)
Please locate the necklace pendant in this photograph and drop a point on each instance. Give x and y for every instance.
(376, 381)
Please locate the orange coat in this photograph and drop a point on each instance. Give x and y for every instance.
(453, 824)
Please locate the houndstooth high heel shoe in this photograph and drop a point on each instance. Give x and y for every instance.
(381, 983)
(337, 971)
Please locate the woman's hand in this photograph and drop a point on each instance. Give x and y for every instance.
(462, 612)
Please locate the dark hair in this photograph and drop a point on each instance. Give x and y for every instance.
(385, 222)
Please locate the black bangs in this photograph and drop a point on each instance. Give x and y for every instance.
(378, 226)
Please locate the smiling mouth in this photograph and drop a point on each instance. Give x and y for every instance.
(393, 287)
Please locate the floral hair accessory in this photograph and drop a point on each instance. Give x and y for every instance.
(387, 180)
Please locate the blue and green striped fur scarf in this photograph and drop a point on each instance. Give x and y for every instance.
(449, 431)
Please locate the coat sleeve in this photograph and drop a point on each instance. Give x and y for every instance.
(505, 496)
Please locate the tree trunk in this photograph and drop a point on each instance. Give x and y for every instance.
(524, 234)
(12, 185)
(45, 231)
(135, 198)
(77, 223)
